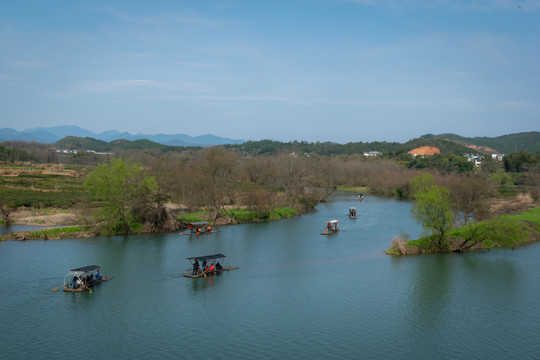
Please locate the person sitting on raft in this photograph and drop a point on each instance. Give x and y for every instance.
(218, 266)
(212, 268)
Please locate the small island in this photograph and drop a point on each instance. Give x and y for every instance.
(433, 209)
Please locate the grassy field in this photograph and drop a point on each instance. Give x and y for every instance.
(31, 187)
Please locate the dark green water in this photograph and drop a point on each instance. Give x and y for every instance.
(296, 294)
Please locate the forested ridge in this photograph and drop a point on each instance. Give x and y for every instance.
(446, 143)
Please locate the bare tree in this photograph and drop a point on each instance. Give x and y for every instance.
(208, 184)
(6, 211)
(468, 196)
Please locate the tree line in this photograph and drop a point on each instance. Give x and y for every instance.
(220, 179)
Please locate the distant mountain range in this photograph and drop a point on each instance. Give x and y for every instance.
(50, 135)
(77, 137)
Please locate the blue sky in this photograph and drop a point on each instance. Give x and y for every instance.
(307, 70)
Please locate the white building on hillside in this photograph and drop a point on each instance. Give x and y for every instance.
(373, 153)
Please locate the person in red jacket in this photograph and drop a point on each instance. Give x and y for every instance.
(212, 268)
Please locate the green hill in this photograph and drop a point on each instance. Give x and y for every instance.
(79, 143)
(87, 143)
(505, 144)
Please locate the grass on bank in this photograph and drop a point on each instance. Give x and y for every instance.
(45, 234)
(360, 189)
(193, 217)
(243, 215)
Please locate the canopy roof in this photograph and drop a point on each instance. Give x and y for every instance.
(200, 223)
(334, 221)
(206, 257)
(87, 268)
(352, 208)
(83, 270)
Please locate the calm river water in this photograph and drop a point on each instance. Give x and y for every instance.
(297, 294)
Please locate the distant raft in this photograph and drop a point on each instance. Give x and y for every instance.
(332, 227)
(199, 228)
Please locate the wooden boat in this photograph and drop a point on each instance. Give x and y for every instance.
(199, 228)
(207, 259)
(331, 227)
(352, 212)
(82, 279)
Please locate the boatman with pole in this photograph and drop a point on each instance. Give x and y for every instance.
(195, 267)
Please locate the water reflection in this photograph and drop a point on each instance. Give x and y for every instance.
(430, 294)
(491, 276)
(200, 284)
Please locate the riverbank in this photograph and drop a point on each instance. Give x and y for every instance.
(77, 223)
(73, 223)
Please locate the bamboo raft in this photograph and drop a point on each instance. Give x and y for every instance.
(188, 273)
(82, 279)
(326, 232)
(331, 227)
(198, 233)
(87, 287)
(199, 228)
(206, 259)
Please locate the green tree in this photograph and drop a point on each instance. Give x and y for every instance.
(501, 178)
(501, 231)
(432, 209)
(119, 185)
(520, 162)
